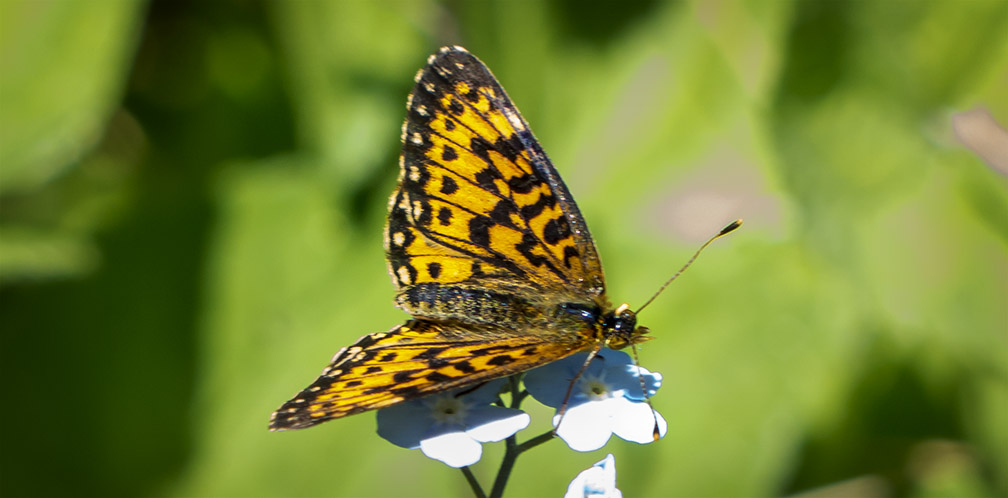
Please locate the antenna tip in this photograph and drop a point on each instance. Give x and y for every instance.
(731, 226)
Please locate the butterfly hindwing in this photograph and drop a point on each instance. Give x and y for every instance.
(412, 360)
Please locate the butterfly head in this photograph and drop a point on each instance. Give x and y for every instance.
(617, 328)
(620, 328)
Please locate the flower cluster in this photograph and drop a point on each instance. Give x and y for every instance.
(451, 426)
(606, 399)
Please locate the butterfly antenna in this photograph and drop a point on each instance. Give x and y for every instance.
(724, 231)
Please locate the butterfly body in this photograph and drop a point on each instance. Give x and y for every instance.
(487, 251)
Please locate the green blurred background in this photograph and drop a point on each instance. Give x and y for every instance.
(192, 197)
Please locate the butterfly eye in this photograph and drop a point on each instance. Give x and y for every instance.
(622, 321)
(627, 321)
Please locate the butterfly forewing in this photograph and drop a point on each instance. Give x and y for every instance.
(478, 199)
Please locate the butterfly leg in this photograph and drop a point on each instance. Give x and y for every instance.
(570, 387)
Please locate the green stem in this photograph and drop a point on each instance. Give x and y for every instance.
(473, 483)
(536, 441)
(510, 455)
(522, 395)
(516, 394)
(511, 448)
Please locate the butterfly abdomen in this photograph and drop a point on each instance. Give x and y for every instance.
(476, 305)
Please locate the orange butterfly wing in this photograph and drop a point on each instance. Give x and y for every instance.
(409, 361)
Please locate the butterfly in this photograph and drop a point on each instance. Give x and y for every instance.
(486, 249)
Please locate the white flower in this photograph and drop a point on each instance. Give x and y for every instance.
(450, 426)
(598, 480)
(607, 399)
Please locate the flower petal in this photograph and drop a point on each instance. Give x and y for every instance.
(631, 381)
(487, 393)
(598, 480)
(404, 424)
(488, 424)
(634, 421)
(456, 449)
(548, 383)
(586, 427)
(625, 378)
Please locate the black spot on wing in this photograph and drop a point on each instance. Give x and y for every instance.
(431, 352)
(434, 269)
(464, 366)
(556, 230)
(524, 184)
(445, 216)
(500, 360)
(526, 246)
(480, 147)
(437, 377)
(479, 230)
(544, 201)
(471, 95)
(405, 392)
(422, 212)
(568, 253)
(501, 213)
(510, 147)
(448, 185)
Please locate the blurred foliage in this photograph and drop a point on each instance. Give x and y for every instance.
(192, 195)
